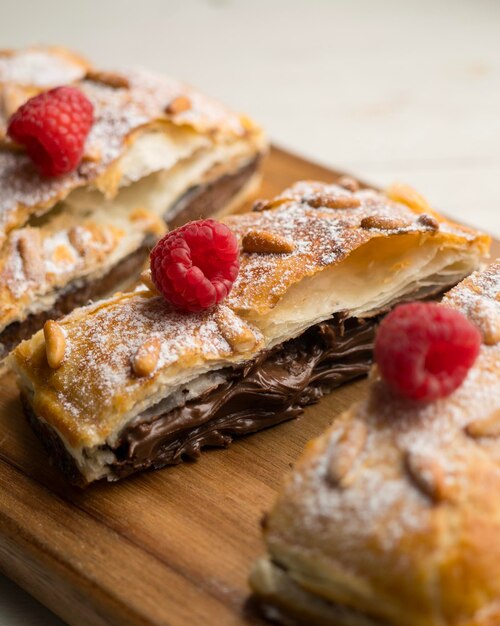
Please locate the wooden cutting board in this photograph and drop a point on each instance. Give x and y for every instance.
(172, 547)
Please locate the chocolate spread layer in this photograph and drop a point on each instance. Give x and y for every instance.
(73, 295)
(266, 391)
(54, 446)
(206, 199)
(199, 201)
(273, 388)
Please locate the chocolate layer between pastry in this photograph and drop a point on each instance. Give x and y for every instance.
(158, 151)
(318, 265)
(198, 202)
(391, 516)
(266, 391)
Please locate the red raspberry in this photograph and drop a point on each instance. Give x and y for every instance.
(195, 266)
(53, 127)
(424, 350)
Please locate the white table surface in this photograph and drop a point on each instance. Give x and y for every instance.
(391, 90)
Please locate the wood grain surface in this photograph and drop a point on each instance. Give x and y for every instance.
(172, 547)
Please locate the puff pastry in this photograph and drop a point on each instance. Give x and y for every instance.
(391, 517)
(158, 150)
(319, 264)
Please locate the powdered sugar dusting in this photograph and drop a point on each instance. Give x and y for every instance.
(60, 256)
(37, 67)
(13, 275)
(117, 112)
(481, 286)
(478, 297)
(61, 252)
(321, 236)
(365, 523)
(95, 385)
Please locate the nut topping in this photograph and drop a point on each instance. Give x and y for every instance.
(6, 143)
(349, 183)
(55, 343)
(265, 242)
(267, 205)
(110, 79)
(330, 201)
(79, 237)
(146, 358)
(380, 222)
(260, 205)
(428, 221)
(427, 475)
(345, 451)
(486, 427)
(239, 335)
(178, 105)
(29, 244)
(147, 280)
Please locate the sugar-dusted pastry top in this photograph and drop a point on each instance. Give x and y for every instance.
(478, 297)
(95, 390)
(39, 262)
(323, 236)
(394, 511)
(126, 105)
(95, 386)
(24, 73)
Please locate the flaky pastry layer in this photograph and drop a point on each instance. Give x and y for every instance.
(144, 159)
(127, 106)
(392, 514)
(95, 393)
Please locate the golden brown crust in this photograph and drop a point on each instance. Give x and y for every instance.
(95, 390)
(123, 111)
(139, 161)
(324, 237)
(479, 298)
(411, 539)
(26, 72)
(97, 384)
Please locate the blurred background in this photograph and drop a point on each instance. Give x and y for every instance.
(404, 90)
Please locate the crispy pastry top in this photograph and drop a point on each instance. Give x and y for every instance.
(126, 105)
(394, 511)
(326, 223)
(95, 390)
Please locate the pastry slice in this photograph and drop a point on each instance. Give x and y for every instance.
(135, 384)
(391, 517)
(157, 151)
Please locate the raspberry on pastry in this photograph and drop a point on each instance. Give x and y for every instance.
(194, 266)
(53, 127)
(424, 350)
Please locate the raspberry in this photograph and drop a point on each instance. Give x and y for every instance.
(424, 350)
(195, 266)
(53, 127)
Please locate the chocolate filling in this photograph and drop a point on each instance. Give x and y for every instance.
(198, 201)
(75, 294)
(272, 388)
(204, 200)
(54, 446)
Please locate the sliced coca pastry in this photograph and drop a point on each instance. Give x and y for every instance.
(392, 516)
(92, 164)
(240, 325)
